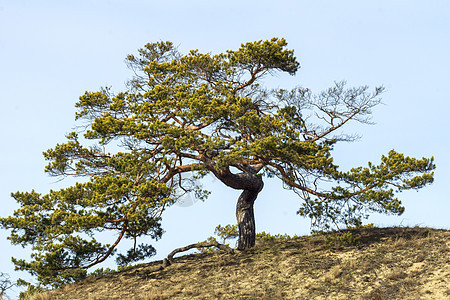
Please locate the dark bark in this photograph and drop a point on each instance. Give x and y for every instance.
(251, 184)
(170, 260)
(198, 245)
(246, 218)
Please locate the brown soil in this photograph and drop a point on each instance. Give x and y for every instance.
(385, 263)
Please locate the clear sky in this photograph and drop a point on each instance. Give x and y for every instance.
(53, 51)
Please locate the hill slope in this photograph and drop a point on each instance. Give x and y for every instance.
(383, 263)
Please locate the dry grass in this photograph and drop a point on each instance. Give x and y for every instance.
(388, 263)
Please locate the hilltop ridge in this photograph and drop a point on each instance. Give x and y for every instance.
(366, 263)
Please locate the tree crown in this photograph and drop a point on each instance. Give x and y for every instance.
(204, 114)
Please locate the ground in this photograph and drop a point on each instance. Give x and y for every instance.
(371, 263)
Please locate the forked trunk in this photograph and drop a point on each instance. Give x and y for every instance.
(246, 219)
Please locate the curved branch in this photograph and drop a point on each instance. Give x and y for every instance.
(199, 245)
(252, 79)
(241, 181)
(294, 184)
(180, 169)
(169, 260)
(110, 250)
(315, 193)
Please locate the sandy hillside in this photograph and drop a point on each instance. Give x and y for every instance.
(374, 263)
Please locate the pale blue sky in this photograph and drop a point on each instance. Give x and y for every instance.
(53, 51)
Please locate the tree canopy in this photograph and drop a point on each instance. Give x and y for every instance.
(202, 114)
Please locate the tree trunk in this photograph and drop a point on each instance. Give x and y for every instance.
(251, 184)
(246, 218)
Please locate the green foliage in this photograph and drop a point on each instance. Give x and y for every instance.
(227, 232)
(202, 114)
(351, 202)
(135, 254)
(31, 291)
(358, 226)
(102, 272)
(209, 249)
(263, 236)
(231, 232)
(123, 268)
(341, 239)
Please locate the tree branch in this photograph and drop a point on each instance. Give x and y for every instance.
(294, 184)
(199, 245)
(252, 79)
(110, 250)
(180, 169)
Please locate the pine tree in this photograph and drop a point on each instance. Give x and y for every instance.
(202, 114)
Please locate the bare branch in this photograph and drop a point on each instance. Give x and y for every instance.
(205, 244)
